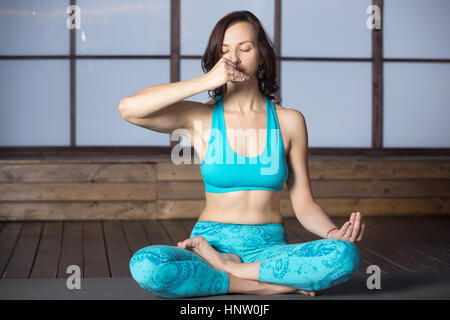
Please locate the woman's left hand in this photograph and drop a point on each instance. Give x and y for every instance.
(351, 231)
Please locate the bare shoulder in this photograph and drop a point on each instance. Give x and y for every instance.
(288, 112)
(290, 119)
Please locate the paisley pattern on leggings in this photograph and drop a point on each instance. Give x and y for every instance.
(173, 272)
(314, 265)
(247, 241)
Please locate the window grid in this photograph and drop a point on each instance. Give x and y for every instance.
(377, 94)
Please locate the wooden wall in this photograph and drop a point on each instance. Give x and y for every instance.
(93, 188)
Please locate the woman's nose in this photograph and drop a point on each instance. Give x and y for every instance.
(234, 57)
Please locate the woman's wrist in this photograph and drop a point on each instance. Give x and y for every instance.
(330, 232)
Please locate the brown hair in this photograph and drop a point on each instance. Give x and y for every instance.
(268, 85)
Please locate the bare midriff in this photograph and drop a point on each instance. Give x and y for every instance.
(243, 207)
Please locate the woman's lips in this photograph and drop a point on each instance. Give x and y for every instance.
(241, 70)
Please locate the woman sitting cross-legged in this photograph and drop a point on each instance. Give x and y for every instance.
(239, 243)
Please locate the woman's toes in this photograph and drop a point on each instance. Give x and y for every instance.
(183, 244)
(307, 293)
(198, 240)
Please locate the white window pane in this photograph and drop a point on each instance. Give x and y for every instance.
(101, 84)
(334, 97)
(124, 27)
(198, 19)
(416, 105)
(33, 27)
(34, 98)
(416, 29)
(325, 28)
(191, 68)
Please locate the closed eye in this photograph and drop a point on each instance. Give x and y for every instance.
(241, 50)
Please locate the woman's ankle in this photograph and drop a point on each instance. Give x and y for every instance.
(248, 286)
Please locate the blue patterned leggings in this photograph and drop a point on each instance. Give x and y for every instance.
(173, 272)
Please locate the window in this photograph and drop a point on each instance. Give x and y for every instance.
(362, 91)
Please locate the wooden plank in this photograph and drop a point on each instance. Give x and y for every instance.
(190, 209)
(418, 244)
(71, 248)
(47, 258)
(394, 249)
(335, 207)
(135, 234)
(294, 237)
(385, 207)
(89, 210)
(175, 230)
(156, 233)
(181, 190)
(95, 260)
(329, 168)
(138, 191)
(168, 171)
(337, 168)
(121, 168)
(370, 188)
(179, 209)
(77, 172)
(370, 247)
(23, 256)
(8, 239)
(119, 254)
(188, 224)
(440, 226)
(422, 228)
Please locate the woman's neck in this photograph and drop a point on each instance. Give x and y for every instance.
(244, 98)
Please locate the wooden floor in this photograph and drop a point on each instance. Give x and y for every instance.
(44, 249)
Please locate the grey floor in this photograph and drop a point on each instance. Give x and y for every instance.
(394, 286)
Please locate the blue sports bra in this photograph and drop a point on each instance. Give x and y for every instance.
(223, 170)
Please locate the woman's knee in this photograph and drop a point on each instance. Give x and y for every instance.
(173, 272)
(348, 256)
(149, 266)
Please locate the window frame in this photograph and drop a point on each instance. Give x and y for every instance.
(377, 61)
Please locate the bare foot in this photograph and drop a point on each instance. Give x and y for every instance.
(308, 293)
(200, 246)
(273, 288)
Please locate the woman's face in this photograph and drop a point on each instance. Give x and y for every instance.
(239, 45)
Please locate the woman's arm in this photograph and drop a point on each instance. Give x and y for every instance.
(150, 100)
(308, 213)
(162, 108)
(315, 220)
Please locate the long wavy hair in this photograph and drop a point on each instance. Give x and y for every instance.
(268, 85)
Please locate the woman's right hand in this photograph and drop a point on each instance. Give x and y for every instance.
(222, 72)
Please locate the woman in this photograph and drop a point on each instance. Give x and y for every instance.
(239, 243)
